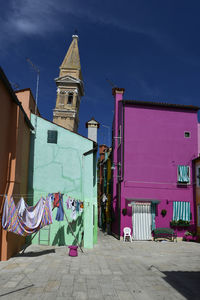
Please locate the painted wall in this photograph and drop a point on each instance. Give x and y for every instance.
(25, 96)
(108, 191)
(14, 158)
(154, 145)
(116, 195)
(197, 193)
(198, 139)
(62, 167)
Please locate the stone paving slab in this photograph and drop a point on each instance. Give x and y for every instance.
(112, 270)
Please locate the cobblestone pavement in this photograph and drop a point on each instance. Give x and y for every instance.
(112, 270)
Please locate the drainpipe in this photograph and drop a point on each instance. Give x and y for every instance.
(122, 179)
(91, 151)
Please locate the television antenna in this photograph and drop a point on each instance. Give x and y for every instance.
(14, 85)
(111, 83)
(36, 69)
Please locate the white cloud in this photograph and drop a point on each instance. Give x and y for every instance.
(36, 17)
(42, 17)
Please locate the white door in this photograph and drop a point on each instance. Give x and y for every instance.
(141, 219)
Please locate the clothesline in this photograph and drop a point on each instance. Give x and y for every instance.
(24, 220)
(41, 196)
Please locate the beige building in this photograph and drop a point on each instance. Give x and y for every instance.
(69, 89)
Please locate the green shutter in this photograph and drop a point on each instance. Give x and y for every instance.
(181, 211)
(183, 174)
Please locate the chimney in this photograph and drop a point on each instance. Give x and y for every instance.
(92, 126)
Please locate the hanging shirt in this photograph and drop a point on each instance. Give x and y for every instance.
(77, 206)
(70, 203)
(60, 212)
(73, 213)
(56, 200)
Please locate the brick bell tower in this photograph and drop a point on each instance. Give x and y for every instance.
(70, 89)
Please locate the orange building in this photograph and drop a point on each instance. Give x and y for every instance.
(14, 157)
(27, 100)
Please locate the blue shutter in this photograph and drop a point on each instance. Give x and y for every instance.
(181, 211)
(183, 174)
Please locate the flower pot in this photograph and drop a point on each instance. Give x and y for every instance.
(73, 251)
(190, 238)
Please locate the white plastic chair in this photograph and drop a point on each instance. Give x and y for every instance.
(127, 233)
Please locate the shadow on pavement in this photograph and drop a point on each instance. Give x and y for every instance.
(186, 283)
(6, 294)
(34, 253)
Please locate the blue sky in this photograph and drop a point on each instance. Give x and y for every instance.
(150, 48)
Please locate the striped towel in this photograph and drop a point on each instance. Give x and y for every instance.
(25, 220)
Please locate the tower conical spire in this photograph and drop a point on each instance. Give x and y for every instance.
(70, 89)
(71, 63)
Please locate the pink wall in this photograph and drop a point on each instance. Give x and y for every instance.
(154, 145)
(199, 139)
(118, 96)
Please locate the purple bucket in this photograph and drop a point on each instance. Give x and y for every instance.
(73, 251)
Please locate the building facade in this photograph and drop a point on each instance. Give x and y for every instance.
(14, 158)
(105, 188)
(70, 89)
(64, 162)
(153, 148)
(197, 194)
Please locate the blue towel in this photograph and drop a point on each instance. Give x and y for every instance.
(60, 212)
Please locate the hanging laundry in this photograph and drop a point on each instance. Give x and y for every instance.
(77, 206)
(26, 221)
(70, 202)
(60, 212)
(51, 196)
(56, 200)
(73, 213)
(67, 203)
(81, 207)
(21, 207)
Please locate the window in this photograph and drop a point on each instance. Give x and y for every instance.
(52, 136)
(187, 134)
(183, 174)
(198, 176)
(70, 98)
(198, 215)
(119, 136)
(181, 211)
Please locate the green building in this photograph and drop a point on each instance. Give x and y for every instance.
(64, 161)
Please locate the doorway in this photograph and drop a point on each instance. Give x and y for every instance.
(142, 221)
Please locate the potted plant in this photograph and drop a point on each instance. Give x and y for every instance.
(163, 212)
(190, 236)
(179, 223)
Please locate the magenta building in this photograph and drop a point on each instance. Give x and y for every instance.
(153, 148)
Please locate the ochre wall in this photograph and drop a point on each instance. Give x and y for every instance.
(28, 102)
(14, 157)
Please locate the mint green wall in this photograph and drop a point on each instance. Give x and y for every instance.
(62, 167)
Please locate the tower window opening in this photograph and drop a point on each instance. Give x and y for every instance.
(70, 98)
